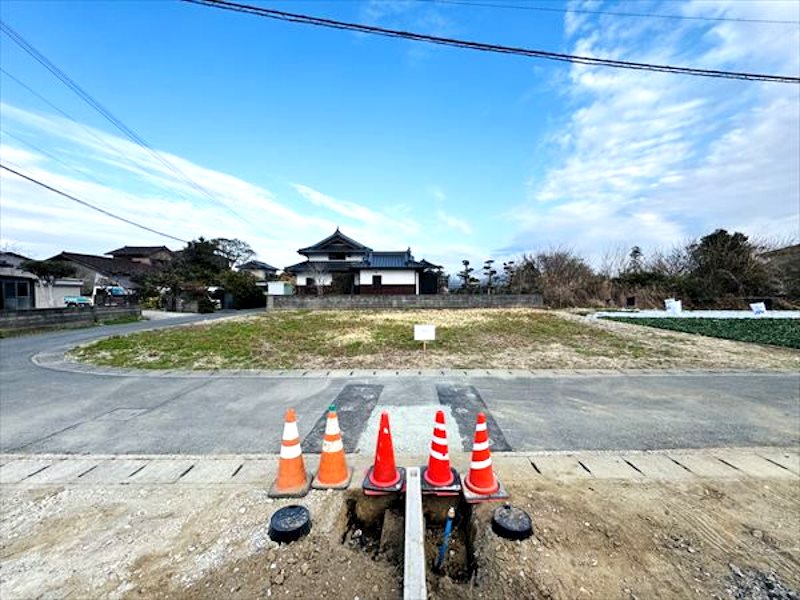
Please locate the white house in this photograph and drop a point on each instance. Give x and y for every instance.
(340, 265)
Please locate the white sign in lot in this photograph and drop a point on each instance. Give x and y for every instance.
(425, 333)
(758, 308)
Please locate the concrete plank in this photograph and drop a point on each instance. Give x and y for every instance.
(560, 467)
(258, 471)
(162, 471)
(414, 564)
(658, 466)
(212, 470)
(610, 467)
(704, 465)
(17, 470)
(786, 458)
(754, 465)
(64, 471)
(513, 468)
(114, 470)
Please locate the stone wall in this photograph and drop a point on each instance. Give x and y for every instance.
(22, 320)
(406, 301)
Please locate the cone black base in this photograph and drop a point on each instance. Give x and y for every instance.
(441, 490)
(297, 492)
(370, 489)
(473, 498)
(339, 486)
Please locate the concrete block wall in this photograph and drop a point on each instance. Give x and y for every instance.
(403, 302)
(19, 321)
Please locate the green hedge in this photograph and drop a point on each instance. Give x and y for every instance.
(776, 332)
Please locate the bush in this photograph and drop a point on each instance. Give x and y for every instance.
(151, 303)
(242, 287)
(205, 305)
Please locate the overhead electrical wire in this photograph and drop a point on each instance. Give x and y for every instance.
(609, 12)
(35, 148)
(90, 205)
(484, 47)
(124, 129)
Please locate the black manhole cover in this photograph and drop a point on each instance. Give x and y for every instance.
(512, 523)
(289, 523)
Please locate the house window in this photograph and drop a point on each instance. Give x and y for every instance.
(337, 256)
(377, 281)
(310, 282)
(22, 289)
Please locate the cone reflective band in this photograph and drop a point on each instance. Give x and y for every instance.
(481, 483)
(438, 477)
(333, 472)
(384, 476)
(292, 480)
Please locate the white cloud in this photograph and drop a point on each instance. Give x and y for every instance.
(139, 188)
(650, 158)
(454, 222)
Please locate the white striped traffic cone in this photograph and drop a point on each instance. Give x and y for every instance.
(481, 484)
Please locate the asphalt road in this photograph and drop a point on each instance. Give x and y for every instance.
(47, 411)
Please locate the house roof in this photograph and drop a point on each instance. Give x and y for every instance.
(103, 264)
(402, 259)
(327, 266)
(138, 250)
(391, 260)
(429, 265)
(336, 242)
(254, 265)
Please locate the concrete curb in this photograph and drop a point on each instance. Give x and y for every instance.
(33, 470)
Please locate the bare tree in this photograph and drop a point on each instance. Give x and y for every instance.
(318, 273)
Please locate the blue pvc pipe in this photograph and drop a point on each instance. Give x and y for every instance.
(448, 529)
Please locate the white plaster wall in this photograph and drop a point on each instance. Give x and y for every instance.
(62, 288)
(324, 257)
(323, 278)
(390, 277)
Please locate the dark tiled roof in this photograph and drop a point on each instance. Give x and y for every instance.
(390, 260)
(138, 250)
(104, 265)
(336, 242)
(428, 265)
(328, 266)
(255, 265)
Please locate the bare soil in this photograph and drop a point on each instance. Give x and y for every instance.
(594, 539)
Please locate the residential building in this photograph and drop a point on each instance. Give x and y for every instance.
(146, 255)
(260, 270)
(103, 271)
(21, 290)
(340, 265)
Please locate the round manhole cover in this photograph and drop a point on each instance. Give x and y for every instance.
(512, 523)
(289, 523)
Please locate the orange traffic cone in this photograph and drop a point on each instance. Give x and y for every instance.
(333, 472)
(384, 477)
(480, 484)
(292, 480)
(438, 477)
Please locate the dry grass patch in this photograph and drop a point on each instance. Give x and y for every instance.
(466, 339)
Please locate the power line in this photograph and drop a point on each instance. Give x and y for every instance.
(484, 47)
(127, 131)
(92, 206)
(608, 12)
(36, 148)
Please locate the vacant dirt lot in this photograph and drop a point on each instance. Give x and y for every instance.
(600, 539)
(466, 339)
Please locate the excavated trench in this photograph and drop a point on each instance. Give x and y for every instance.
(375, 525)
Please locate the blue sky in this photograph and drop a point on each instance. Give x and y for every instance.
(458, 154)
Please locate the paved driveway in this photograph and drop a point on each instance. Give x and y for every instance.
(47, 411)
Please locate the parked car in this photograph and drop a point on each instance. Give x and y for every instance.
(77, 301)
